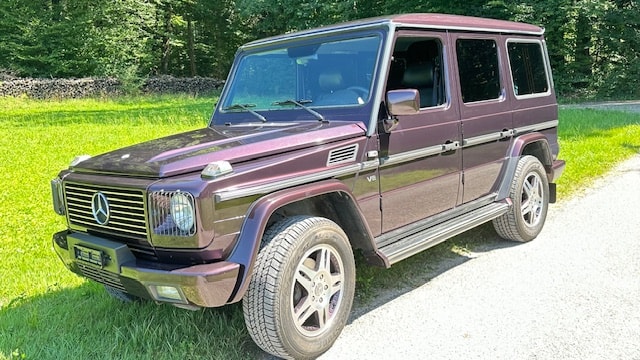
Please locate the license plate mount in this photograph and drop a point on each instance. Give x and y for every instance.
(91, 256)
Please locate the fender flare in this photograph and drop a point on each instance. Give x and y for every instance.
(513, 156)
(255, 224)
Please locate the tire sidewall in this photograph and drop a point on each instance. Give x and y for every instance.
(530, 165)
(323, 235)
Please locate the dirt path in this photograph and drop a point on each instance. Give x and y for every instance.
(572, 293)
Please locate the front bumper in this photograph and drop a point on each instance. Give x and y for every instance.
(113, 264)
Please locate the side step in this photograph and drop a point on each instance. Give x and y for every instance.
(422, 240)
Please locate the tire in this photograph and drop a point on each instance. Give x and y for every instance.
(303, 284)
(530, 195)
(120, 295)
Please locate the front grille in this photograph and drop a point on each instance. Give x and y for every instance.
(101, 276)
(125, 207)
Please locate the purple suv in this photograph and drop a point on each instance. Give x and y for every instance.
(385, 136)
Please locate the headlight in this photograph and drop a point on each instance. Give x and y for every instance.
(172, 213)
(182, 212)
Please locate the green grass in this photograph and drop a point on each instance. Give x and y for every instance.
(46, 312)
(593, 142)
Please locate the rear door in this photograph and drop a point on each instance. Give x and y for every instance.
(484, 105)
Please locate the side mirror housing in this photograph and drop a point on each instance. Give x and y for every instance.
(403, 102)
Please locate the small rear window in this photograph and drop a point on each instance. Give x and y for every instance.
(528, 69)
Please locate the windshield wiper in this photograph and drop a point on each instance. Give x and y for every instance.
(301, 103)
(246, 107)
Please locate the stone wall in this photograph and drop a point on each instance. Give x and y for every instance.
(95, 87)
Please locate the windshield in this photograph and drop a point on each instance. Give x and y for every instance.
(324, 74)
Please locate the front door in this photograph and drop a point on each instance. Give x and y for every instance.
(420, 160)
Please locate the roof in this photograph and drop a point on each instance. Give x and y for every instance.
(426, 21)
(459, 22)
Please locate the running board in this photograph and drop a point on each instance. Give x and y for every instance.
(417, 242)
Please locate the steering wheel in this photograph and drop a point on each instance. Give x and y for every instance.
(361, 91)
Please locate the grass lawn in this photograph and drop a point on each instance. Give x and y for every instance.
(46, 312)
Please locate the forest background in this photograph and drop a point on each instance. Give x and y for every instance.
(594, 45)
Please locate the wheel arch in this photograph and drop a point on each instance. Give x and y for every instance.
(534, 144)
(331, 199)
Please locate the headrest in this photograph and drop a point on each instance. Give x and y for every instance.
(330, 80)
(422, 50)
(418, 75)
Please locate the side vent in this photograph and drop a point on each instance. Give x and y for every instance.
(342, 155)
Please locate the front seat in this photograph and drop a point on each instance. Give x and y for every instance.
(420, 76)
(334, 91)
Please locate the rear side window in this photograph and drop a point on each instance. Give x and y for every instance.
(478, 68)
(527, 68)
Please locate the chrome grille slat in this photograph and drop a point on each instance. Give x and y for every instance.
(122, 231)
(126, 206)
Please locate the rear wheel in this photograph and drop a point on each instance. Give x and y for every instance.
(530, 195)
(302, 288)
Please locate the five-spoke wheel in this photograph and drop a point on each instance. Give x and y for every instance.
(302, 288)
(530, 195)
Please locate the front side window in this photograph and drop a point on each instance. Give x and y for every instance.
(417, 64)
(528, 69)
(323, 74)
(478, 69)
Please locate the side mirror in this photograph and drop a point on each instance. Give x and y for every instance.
(403, 102)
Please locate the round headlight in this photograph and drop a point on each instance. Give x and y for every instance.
(182, 212)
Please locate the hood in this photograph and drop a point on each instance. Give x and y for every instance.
(192, 151)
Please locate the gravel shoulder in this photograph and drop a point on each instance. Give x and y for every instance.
(629, 105)
(572, 293)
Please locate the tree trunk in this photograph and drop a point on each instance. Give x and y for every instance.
(166, 41)
(191, 47)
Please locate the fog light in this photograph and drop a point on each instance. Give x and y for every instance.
(167, 293)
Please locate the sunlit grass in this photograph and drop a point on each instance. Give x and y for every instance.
(593, 142)
(46, 312)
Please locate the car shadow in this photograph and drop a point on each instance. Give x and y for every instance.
(377, 286)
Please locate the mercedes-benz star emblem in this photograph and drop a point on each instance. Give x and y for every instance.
(100, 208)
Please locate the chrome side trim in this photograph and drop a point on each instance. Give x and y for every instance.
(229, 194)
(477, 140)
(224, 195)
(537, 127)
(411, 155)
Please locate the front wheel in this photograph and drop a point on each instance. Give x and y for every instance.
(302, 288)
(530, 195)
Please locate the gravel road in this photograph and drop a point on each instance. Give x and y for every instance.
(572, 293)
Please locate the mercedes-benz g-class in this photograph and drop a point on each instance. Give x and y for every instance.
(385, 136)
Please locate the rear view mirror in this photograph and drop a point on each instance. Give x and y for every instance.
(403, 102)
